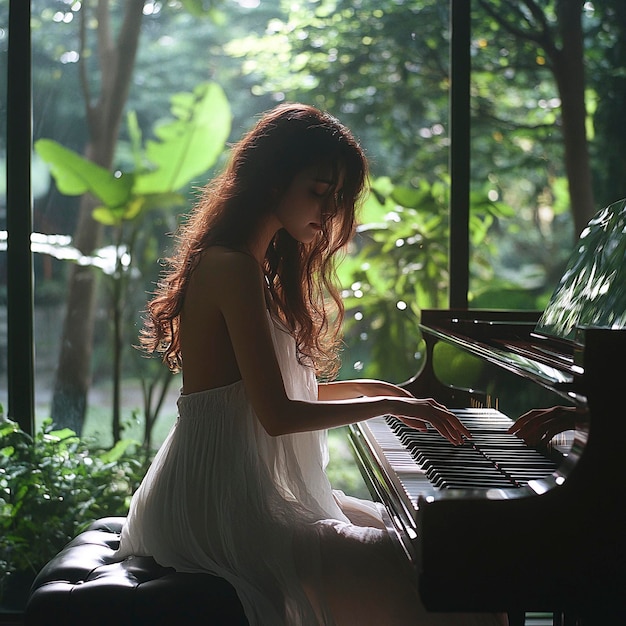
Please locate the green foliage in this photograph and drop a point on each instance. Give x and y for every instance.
(454, 366)
(342, 470)
(379, 64)
(186, 147)
(383, 66)
(53, 485)
(398, 266)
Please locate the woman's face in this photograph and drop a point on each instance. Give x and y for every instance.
(308, 202)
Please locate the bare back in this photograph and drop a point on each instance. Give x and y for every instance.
(207, 352)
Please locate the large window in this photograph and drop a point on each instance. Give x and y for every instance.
(384, 70)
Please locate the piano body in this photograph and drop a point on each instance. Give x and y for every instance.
(556, 543)
(548, 536)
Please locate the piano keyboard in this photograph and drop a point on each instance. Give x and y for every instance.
(422, 462)
(401, 464)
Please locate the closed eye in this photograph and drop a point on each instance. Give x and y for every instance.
(321, 190)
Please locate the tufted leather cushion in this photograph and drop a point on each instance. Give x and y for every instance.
(82, 586)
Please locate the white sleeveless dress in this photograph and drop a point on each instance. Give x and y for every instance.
(222, 496)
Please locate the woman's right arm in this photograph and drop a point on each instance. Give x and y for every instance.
(237, 284)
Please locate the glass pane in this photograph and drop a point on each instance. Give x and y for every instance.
(90, 286)
(520, 198)
(382, 69)
(400, 257)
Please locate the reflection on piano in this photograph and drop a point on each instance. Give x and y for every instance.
(494, 524)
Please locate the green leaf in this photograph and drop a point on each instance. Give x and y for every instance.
(76, 175)
(134, 208)
(374, 209)
(117, 451)
(108, 216)
(383, 185)
(113, 216)
(8, 427)
(189, 145)
(63, 434)
(407, 197)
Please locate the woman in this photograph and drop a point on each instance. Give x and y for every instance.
(238, 489)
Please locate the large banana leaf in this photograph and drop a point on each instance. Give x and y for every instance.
(190, 144)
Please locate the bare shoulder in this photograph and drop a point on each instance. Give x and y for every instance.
(219, 262)
(225, 276)
(221, 267)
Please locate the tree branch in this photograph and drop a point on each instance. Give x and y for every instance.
(126, 52)
(82, 66)
(547, 38)
(542, 38)
(510, 125)
(106, 52)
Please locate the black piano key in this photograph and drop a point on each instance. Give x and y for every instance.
(478, 483)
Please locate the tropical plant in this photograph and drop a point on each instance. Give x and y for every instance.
(185, 147)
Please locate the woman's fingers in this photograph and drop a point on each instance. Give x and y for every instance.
(540, 425)
(442, 420)
(451, 429)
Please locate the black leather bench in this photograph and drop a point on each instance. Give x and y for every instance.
(82, 586)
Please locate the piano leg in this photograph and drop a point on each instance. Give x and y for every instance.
(561, 619)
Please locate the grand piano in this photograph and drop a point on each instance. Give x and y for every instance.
(495, 524)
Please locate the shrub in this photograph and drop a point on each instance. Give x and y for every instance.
(52, 486)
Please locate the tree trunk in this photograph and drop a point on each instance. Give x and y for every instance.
(609, 82)
(116, 62)
(569, 72)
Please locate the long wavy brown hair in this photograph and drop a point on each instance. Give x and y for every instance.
(301, 277)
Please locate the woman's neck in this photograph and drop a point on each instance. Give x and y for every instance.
(258, 244)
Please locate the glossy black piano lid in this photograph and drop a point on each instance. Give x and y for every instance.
(592, 291)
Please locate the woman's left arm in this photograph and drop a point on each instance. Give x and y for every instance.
(349, 389)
